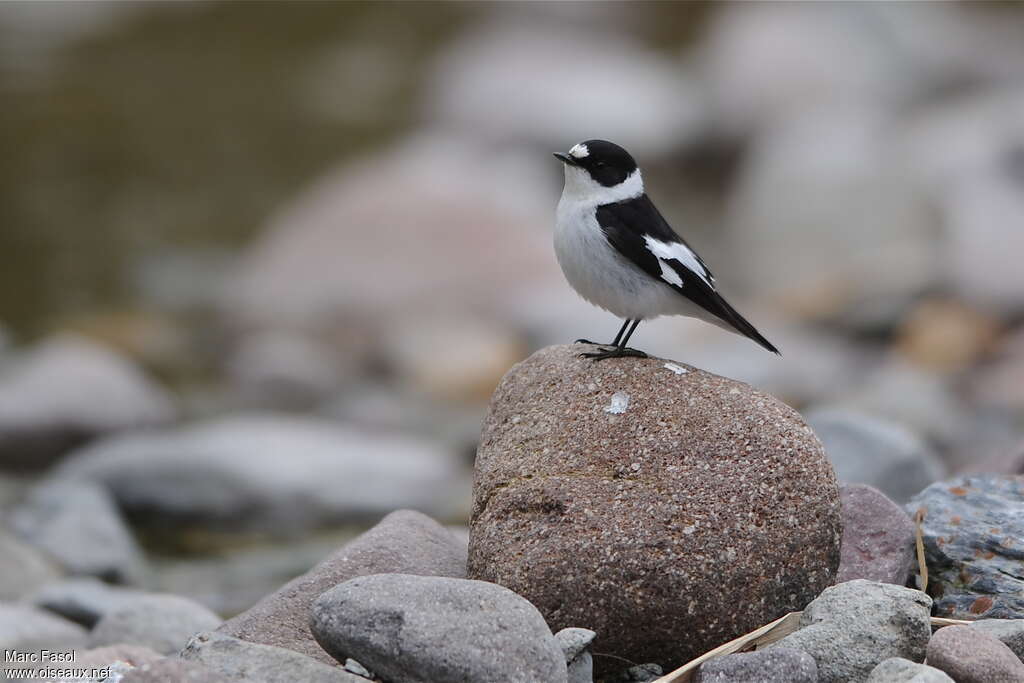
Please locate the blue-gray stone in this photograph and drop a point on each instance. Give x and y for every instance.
(972, 532)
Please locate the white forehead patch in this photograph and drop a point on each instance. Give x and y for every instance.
(579, 151)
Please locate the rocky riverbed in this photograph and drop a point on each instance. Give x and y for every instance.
(262, 266)
(608, 542)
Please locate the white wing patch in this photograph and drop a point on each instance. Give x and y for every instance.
(669, 275)
(666, 251)
(579, 151)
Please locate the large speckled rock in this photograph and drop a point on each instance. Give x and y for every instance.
(972, 530)
(665, 508)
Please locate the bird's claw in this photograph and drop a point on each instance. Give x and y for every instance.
(614, 353)
(584, 341)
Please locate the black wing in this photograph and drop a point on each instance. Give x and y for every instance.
(628, 224)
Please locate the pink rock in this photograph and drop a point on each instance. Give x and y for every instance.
(970, 655)
(878, 537)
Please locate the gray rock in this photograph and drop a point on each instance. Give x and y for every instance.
(85, 600)
(358, 669)
(899, 670)
(233, 579)
(161, 622)
(878, 537)
(67, 390)
(427, 629)
(267, 473)
(78, 524)
(170, 669)
(776, 665)
(282, 370)
(980, 202)
(852, 627)
(404, 541)
(873, 451)
(26, 628)
(574, 641)
(23, 569)
(581, 669)
(575, 644)
(634, 523)
(914, 397)
(641, 673)
(766, 62)
(1010, 632)
(241, 660)
(970, 655)
(971, 530)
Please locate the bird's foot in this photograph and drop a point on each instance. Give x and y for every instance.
(585, 341)
(615, 352)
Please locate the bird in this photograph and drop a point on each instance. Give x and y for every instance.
(619, 253)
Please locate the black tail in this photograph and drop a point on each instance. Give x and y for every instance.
(740, 324)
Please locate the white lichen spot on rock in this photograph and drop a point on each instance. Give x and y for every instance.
(618, 404)
(678, 369)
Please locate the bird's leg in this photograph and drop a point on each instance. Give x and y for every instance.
(620, 350)
(615, 342)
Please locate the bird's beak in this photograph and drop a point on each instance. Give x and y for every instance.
(565, 159)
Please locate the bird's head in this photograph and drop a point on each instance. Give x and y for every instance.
(601, 169)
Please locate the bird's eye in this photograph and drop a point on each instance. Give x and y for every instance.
(600, 164)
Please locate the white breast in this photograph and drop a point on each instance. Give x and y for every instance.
(601, 275)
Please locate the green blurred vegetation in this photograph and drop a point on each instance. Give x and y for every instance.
(180, 127)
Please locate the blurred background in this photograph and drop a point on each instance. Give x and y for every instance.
(262, 264)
